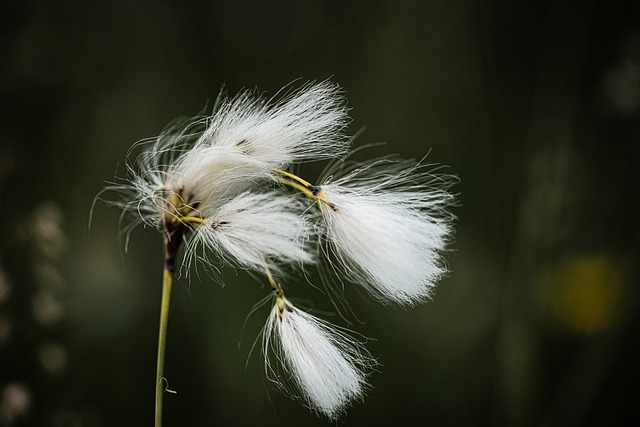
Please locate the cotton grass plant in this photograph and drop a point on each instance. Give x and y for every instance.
(222, 188)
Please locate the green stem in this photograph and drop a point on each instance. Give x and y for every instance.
(173, 237)
(167, 280)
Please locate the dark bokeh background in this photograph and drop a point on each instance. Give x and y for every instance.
(535, 105)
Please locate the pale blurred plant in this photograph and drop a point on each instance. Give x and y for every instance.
(33, 310)
(215, 183)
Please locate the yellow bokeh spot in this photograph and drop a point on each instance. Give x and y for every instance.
(585, 294)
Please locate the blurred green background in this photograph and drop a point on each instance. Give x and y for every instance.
(535, 105)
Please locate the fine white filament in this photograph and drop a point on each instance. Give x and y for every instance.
(326, 367)
(251, 228)
(388, 231)
(306, 125)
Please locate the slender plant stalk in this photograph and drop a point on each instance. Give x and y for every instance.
(173, 236)
(167, 280)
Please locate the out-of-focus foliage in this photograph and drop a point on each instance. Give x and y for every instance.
(534, 104)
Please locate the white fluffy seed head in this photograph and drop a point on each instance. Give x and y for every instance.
(250, 230)
(206, 159)
(209, 175)
(314, 360)
(308, 124)
(388, 226)
(202, 167)
(210, 180)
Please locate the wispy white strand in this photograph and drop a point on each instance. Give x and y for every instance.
(306, 125)
(250, 229)
(326, 367)
(388, 229)
(209, 175)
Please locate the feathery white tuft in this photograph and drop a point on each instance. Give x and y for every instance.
(306, 125)
(325, 366)
(209, 175)
(388, 225)
(205, 160)
(251, 229)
